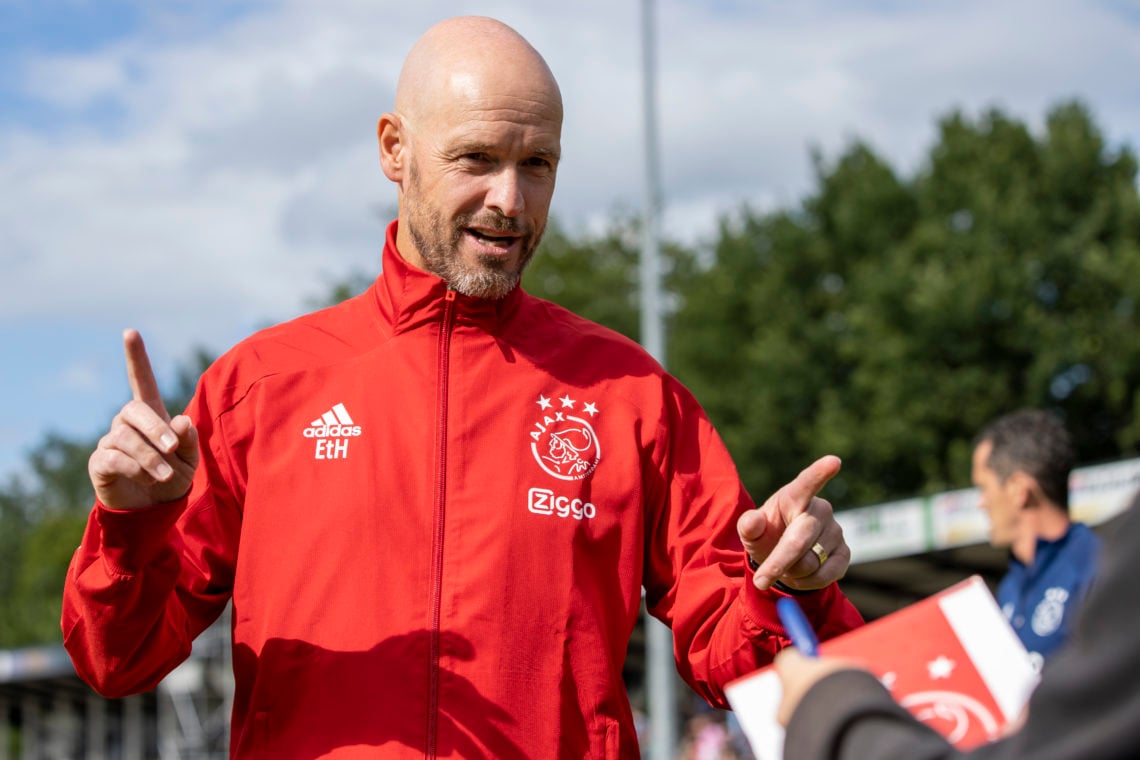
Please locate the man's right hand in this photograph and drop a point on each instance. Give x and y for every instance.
(147, 457)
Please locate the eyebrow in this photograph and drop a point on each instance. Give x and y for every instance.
(486, 147)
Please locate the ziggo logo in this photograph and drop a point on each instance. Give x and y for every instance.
(542, 501)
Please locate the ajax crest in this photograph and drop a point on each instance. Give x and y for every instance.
(563, 440)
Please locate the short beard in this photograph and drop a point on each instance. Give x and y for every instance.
(491, 277)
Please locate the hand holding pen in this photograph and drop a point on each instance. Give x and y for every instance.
(800, 666)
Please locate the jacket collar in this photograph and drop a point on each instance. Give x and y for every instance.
(1046, 550)
(409, 297)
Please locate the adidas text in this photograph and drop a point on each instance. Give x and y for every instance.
(332, 431)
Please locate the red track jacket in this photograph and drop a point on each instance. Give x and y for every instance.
(434, 515)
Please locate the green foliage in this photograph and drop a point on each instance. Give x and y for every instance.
(594, 275)
(889, 319)
(41, 523)
(14, 526)
(608, 294)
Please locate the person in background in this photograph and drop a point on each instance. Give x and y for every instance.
(1021, 467)
(434, 507)
(1087, 704)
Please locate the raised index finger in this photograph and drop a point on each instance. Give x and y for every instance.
(794, 498)
(140, 375)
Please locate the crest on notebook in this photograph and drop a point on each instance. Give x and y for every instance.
(951, 714)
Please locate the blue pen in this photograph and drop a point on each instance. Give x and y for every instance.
(797, 626)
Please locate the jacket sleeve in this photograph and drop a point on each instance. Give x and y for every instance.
(1085, 706)
(145, 582)
(696, 578)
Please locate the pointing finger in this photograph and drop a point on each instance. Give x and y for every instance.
(144, 388)
(772, 536)
(788, 503)
(793, 499)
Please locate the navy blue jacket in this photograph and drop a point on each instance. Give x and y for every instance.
(1041, 599)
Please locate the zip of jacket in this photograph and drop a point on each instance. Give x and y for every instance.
(443, 361)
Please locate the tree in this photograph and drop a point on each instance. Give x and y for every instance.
(43, 521)
(596, 275)
(888, 319)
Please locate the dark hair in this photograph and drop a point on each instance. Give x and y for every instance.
(1036, 443)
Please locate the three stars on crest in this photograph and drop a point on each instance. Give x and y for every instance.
(567, 403)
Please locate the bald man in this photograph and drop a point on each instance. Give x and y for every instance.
(434, 506)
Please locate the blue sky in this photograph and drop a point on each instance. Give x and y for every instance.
(199, 169)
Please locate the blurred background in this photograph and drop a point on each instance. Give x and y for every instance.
(882, 224)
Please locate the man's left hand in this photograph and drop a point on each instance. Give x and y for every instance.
(794, 537)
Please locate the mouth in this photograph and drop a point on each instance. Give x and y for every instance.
(493, 241)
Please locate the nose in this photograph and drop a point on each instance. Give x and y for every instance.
(505, 193)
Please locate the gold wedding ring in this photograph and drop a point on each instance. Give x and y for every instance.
(820, 552)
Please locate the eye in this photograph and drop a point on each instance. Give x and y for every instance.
(475, 161)
(539, 164)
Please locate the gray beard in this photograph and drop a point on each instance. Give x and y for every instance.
(490, 277)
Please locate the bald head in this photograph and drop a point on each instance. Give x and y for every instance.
(473, 146)
(472, 57)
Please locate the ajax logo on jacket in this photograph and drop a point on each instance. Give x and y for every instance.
(566, 447)
(563, 443)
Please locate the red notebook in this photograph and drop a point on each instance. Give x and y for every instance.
(951, 659)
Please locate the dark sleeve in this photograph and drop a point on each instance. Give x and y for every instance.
(1087, 705)
(850, 715)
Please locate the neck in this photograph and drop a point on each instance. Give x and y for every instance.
(406, 247)
(1044, 521)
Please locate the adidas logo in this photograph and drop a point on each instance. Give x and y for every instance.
(335, 423)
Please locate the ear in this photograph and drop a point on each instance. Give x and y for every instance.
(390, 133)
(1023, 490)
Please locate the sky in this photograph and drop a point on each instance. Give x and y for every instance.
(198, 170)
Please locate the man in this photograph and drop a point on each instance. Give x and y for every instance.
(1021, 466)
(1087, 704)
(435, 505)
